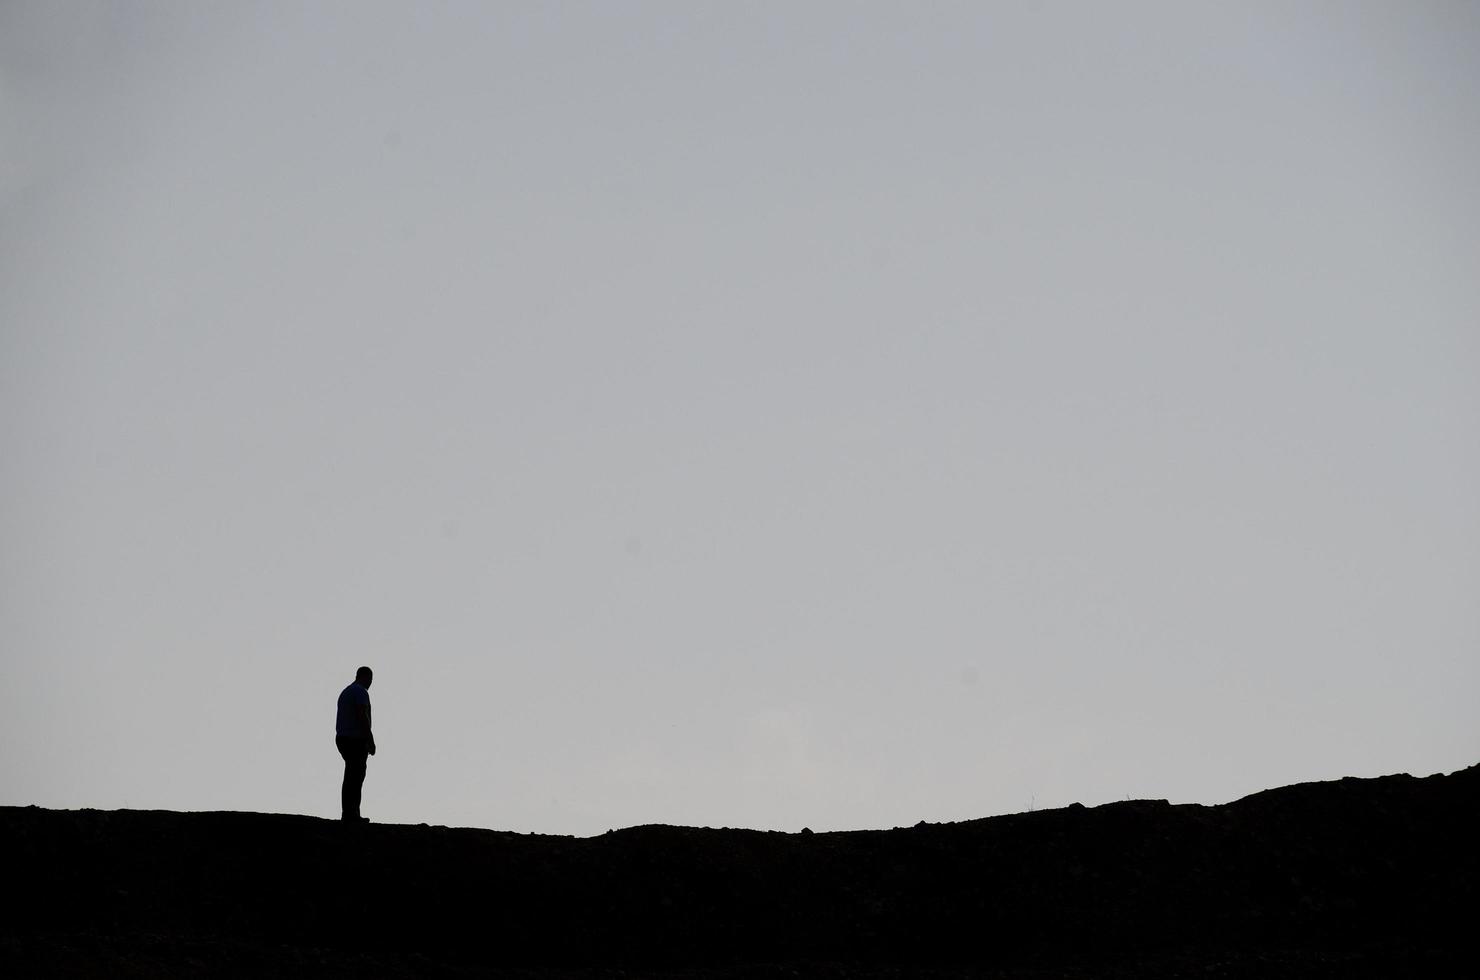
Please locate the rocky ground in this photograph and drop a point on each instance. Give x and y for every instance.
(1374, 877)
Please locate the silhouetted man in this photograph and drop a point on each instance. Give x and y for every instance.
(352, 736)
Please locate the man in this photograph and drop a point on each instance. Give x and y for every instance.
(353, 738)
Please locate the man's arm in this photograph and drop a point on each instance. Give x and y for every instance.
(363, 710)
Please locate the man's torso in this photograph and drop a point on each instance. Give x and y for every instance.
(347, 722)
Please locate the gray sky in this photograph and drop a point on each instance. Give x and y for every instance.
(777, 414)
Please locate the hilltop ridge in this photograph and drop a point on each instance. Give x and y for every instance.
(1354, 877)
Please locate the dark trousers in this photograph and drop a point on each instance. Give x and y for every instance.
(354, 751)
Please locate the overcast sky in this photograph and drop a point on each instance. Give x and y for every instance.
(744, 414)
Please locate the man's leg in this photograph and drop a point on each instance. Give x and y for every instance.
(354, 751)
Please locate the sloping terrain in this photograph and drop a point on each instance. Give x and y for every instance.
(1374, 877)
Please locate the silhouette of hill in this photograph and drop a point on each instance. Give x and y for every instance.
(1357, 877)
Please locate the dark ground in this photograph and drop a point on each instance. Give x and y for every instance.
(1353, 878)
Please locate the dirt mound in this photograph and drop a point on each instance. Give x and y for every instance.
(1347, 878)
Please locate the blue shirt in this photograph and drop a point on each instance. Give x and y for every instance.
(347, 722)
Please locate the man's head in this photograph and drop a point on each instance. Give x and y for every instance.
(364, 676)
